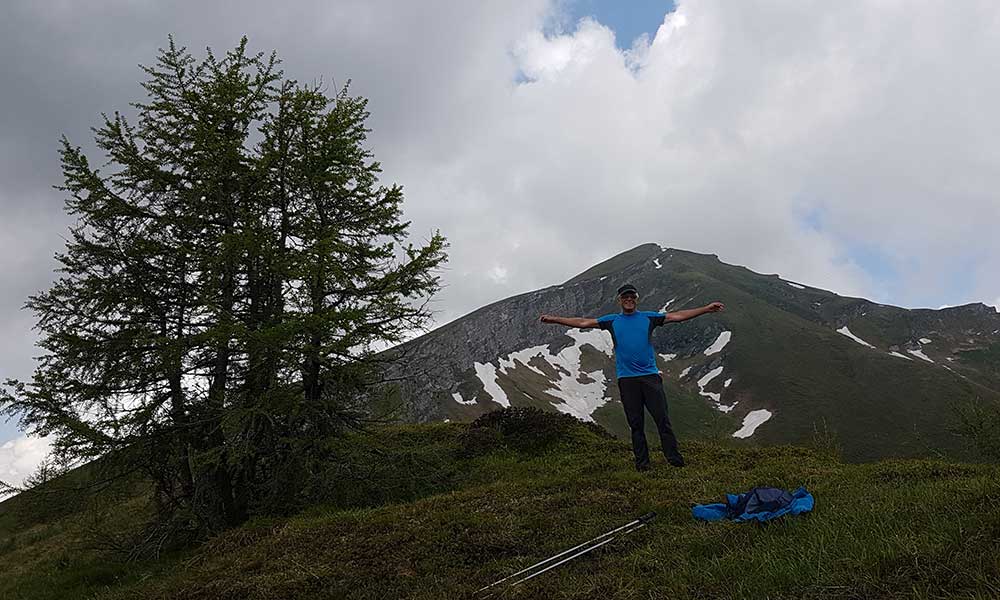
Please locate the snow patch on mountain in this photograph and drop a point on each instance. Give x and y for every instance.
(458, 398)
(719, 343)
(919, 354)
(900, 355)
(595, 337)
(668, 357)
(656, 261)
(581, 394)
(795, 285)
(487, 373)
(751, 422)
(523, 356)
(685, 372)
(709, 376)
(845, 331)
(664, 309)
(715, 396)
(580, 398)
(925, 341)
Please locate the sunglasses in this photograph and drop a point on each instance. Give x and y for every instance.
(628, 297)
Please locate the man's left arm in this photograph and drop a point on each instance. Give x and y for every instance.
(684, 315)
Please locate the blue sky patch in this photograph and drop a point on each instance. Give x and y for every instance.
(628, 20)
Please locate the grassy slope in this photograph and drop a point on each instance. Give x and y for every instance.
(424, 522)
(60, 542)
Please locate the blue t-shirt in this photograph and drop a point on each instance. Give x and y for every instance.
(632, 335)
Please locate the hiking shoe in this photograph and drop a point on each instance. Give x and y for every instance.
(676, 462)
(641, 468)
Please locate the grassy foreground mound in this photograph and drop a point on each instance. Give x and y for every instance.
(438, 511)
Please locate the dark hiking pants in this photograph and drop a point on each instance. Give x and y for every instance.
(646, 392)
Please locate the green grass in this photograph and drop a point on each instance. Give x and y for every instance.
(65, 542)
(422, 514)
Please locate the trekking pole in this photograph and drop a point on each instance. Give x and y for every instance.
(569, 558)
(630, 527)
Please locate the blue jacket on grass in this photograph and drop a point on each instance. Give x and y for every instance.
(760, 504)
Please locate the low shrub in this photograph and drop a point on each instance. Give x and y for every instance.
(526, 429)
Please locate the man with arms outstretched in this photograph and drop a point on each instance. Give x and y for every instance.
(635, 364)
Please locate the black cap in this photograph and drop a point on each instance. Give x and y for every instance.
(628, 287)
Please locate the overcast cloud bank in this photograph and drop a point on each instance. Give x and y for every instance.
(846, 146)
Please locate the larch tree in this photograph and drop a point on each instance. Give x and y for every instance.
(225, 287)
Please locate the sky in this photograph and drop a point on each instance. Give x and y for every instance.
(845, 145)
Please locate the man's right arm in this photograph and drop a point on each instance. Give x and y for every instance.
(581, 322)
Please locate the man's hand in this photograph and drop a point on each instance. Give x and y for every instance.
(547, 319)
(716, 307)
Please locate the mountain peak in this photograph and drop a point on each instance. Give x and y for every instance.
(643, 252)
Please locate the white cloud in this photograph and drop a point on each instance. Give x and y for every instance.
(717, 136)
(20, 456)
(498, 274)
